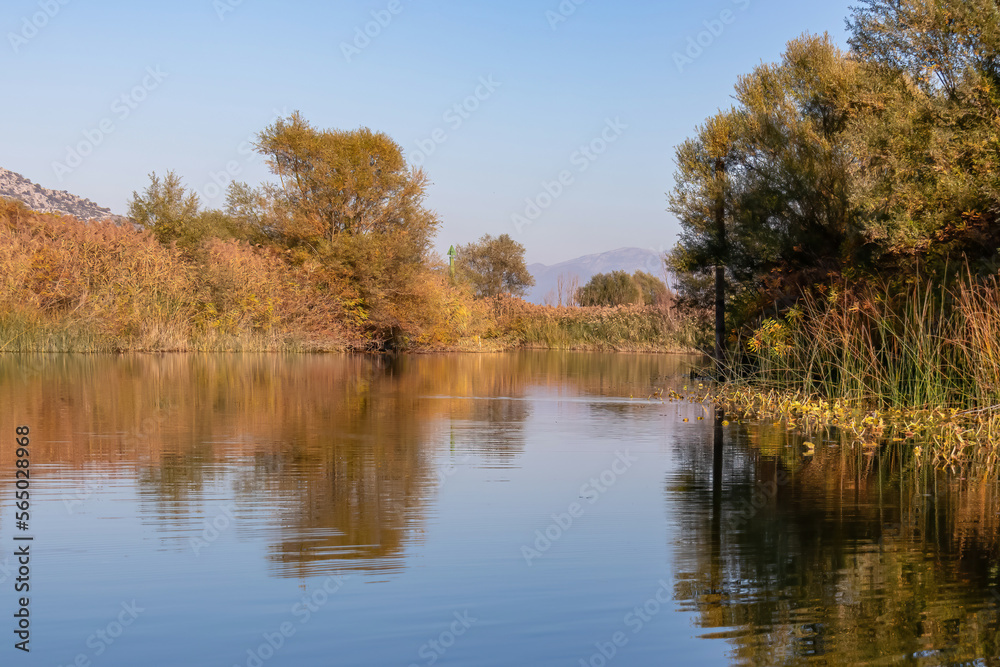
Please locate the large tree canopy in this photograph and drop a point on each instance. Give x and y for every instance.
(884, 160)
(939, 44)
(348, 200)
(926, 142)
(345, 182)
(763, 186)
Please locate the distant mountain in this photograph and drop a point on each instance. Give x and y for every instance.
(43, 200)
(584, 268)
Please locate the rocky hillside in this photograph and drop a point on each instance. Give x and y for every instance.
(37, 198)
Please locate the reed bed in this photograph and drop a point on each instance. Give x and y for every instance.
(71, 286)
(633, 328)
(914, 363)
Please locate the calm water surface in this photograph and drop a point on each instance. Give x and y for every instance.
(521, 509)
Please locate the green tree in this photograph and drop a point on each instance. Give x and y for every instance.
(168, 209)
(762, 191)
(926, 175)
(610, 289)
(791, 169)
(940, 44)
(703, 203)
(251, 212)
(175, 216)
(494, 266)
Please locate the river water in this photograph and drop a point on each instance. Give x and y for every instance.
(515, 509)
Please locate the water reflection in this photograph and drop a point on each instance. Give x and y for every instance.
(428, 476)
(333, 458)
(846, 555)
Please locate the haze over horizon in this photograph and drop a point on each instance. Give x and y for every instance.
(575, 107)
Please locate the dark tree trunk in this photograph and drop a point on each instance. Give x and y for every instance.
(720, 317)
(720, 273)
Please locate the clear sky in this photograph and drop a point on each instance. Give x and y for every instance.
(99, 93)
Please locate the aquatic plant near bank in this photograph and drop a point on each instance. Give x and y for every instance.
(918, 363)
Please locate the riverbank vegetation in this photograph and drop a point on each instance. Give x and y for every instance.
(852, 201)
(334, 255)
(70, 286)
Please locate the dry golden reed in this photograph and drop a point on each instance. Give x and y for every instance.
(73, 286)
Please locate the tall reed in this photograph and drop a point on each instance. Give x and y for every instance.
(919, 345)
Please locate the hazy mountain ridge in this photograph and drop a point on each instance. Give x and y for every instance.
(584, 268)
(44, 200)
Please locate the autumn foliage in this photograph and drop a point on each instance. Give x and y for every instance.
(68, 285)
(335, 255)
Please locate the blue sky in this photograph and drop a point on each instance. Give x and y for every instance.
(567, 114)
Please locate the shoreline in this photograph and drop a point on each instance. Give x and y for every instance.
(472, 348)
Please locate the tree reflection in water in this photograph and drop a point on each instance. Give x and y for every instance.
(330, 457)
(849, 552)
